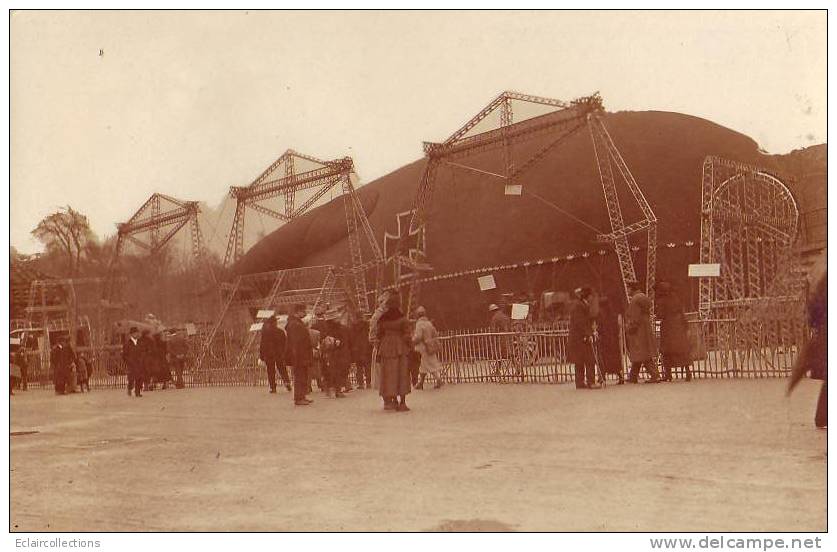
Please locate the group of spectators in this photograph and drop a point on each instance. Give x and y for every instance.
(593, 338)
(325, 348)
(149, 359)
(338, 343)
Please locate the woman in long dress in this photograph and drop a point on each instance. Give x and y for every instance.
(426, 341)
(674, 332)
(394, 340)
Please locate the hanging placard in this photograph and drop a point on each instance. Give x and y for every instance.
(514, 189)
(519, 311)
(14, 341)
(487, 282)
(705, 270)
(255, 327)
(264, 314)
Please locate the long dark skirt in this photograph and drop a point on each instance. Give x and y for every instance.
(395, 376)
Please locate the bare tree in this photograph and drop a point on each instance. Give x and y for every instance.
(68, 231)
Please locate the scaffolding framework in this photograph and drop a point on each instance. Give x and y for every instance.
(68, 304)
(749, 223)
(153, 226)
(278, 291)
(561, 121)
(285, 179)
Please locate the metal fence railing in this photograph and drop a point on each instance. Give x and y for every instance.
(720, 349)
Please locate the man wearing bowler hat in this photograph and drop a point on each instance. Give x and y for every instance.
(272, 352)
(300, 353)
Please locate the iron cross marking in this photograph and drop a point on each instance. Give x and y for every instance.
(405, 242)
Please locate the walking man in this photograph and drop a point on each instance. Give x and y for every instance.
(639, 335)
(272, 352)
(133, 355)
(300, 353)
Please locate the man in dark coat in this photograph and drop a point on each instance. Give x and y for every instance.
(272, 352)
(61, 358)
(163, 371)
(607, 326)
(639, 335)
(300, 353)
(580, 341)
(339, 354)
(674, 332)
(149, 360)
(134, 357)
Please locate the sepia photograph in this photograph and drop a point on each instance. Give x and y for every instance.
(418, 271)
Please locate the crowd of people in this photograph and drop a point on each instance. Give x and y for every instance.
(324, 348)
(592, 341)
(149, 359)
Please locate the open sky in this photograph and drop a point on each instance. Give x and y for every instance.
(109, 107)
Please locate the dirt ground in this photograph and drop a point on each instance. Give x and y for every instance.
(708, 455)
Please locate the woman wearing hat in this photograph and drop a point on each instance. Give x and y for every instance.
(639, 335)
(426, 341)
(394, 339)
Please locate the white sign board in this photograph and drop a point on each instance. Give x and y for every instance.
(256, 326)
(704, 270)
(190, 329)
(514, 189)
(519, 311)
(487, 282)
(264, 314)
(14, 341)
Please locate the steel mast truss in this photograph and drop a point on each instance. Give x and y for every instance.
(276, 290)
(283, 180)
(749, 222)
(153, 226)
(563, 120)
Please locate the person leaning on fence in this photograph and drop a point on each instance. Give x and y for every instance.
(814, 356)
(132, 354)
(272, 353)
(580, 340)
(674, 332)
(639, 335)
(394, 337)
(300, 353)
(426, 341)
